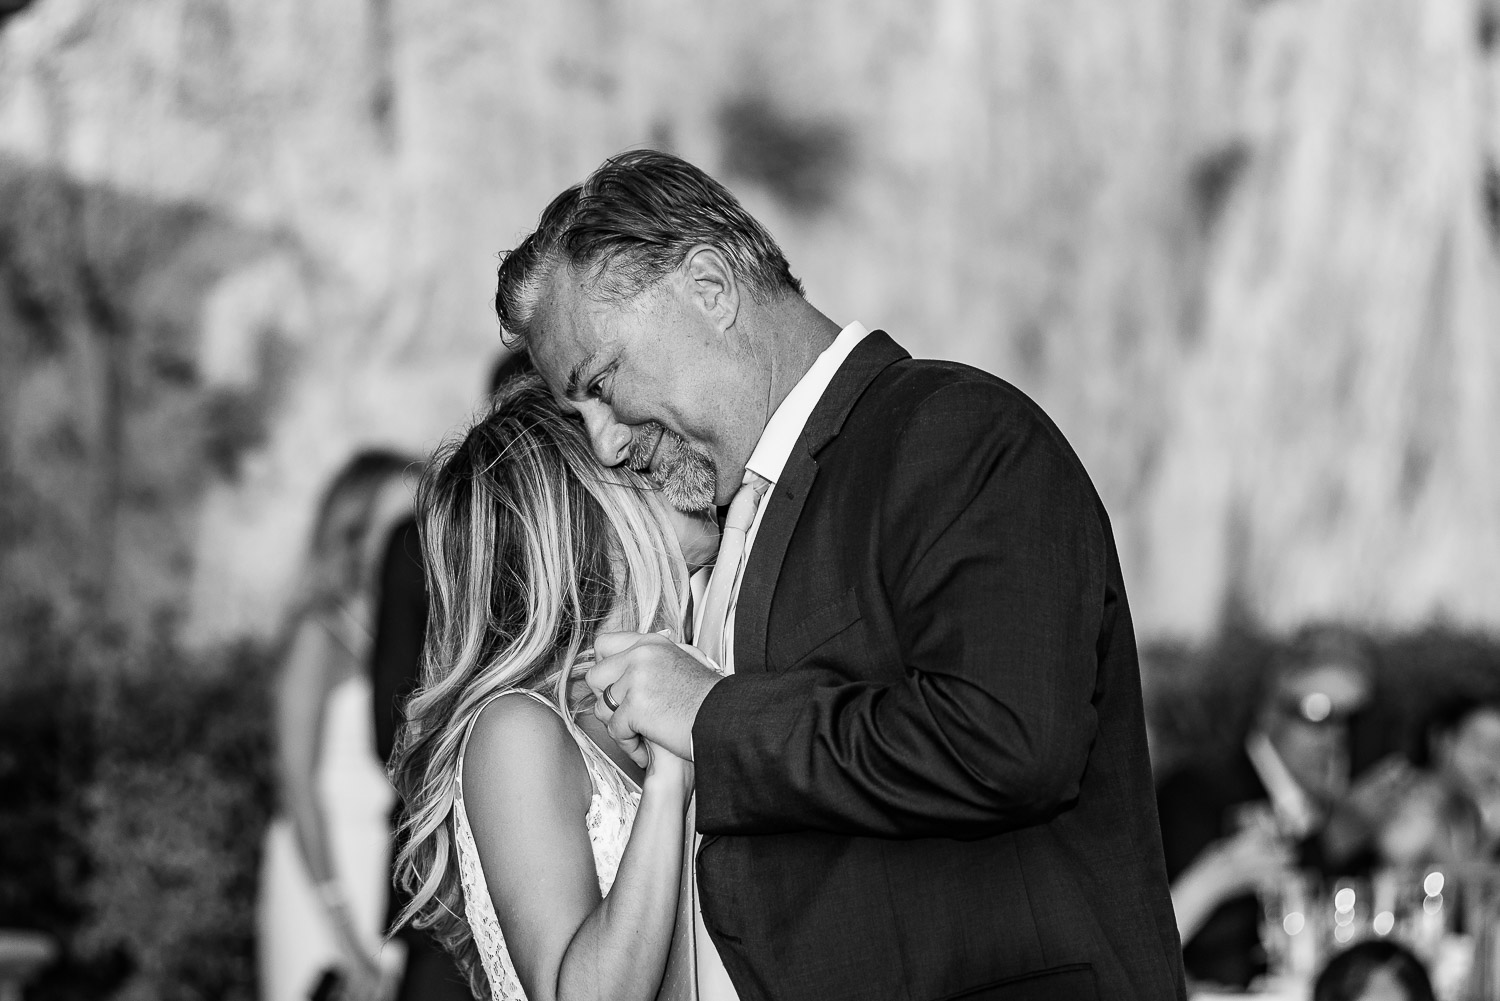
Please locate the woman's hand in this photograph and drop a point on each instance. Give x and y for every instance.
(361, 972)
(667, 770)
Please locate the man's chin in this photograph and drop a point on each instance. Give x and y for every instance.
(687, 485)
(686, 493)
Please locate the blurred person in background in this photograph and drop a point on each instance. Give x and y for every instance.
(1463, 749)
(1430, 823)
(541, 855)
(323, 883)
(400, 628)
(1231, 828)
(1374, 970)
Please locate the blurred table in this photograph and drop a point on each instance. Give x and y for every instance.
(1283, 989)
(23, 954)
(1448, 915)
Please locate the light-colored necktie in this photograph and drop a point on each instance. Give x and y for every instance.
(711, 638)
(685, 977)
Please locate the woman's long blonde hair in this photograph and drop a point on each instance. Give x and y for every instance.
(529, 545)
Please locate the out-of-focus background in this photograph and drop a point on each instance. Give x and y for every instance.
(1245, 252)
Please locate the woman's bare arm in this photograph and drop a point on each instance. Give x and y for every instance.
(526, 793)
(307, 676)
(301, 695)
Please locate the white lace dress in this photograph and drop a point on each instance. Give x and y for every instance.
(610, 814)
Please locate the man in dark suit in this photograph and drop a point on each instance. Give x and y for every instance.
(926, 776)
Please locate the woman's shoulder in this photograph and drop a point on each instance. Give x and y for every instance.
(519, 747)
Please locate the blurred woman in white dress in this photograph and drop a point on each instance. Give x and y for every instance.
(326, 863)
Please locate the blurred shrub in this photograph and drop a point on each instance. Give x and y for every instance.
(45, 763)
(141, 776)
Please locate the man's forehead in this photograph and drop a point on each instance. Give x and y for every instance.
(563, 330)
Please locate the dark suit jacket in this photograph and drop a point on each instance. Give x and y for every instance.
(928, 777)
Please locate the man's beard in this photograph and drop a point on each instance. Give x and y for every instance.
(684, 474)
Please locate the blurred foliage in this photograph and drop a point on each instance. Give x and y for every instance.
(136, 778)
(45, 750)
(109, 429)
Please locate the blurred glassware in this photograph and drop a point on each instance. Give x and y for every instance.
(1292, 927)
(1349, 910)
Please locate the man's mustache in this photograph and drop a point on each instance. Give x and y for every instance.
(685, 475)
(645, 442)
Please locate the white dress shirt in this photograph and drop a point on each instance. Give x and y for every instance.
(776, 444)
(768, 460)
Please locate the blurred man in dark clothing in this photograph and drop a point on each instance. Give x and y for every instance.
(400, 625)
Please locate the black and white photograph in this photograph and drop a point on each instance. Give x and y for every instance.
(585, 500)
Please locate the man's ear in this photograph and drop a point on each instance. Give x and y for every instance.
(712, 285)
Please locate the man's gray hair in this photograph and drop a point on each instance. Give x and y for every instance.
(630, 223)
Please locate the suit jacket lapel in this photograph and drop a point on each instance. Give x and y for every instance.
(753, 609)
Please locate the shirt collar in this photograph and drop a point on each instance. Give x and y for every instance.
(786, 424)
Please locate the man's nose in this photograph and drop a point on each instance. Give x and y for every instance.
(609, 438)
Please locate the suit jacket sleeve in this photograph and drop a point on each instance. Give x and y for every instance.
(400, 629)
(993, 560)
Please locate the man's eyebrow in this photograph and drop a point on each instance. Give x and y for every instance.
(574, 389)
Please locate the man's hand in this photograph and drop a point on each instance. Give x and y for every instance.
(657, 685)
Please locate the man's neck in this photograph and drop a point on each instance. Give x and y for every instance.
(797, 334)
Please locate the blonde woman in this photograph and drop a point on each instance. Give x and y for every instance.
(540, 854)
(326, 861)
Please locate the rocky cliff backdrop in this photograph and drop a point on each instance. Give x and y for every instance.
(1244, 251)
